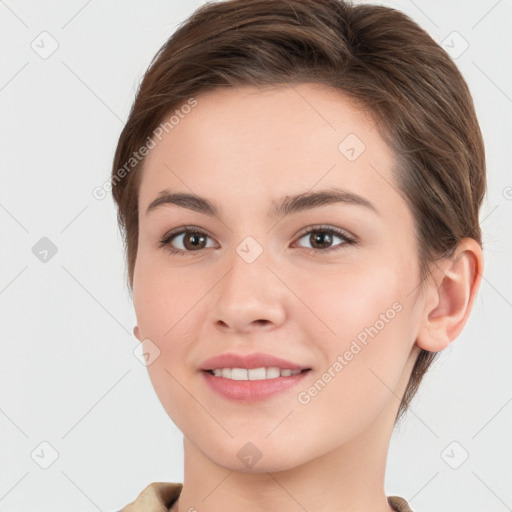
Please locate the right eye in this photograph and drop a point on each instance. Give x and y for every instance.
(188, 239)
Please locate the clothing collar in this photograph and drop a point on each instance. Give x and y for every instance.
(160, 496)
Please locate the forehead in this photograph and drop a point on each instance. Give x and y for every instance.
(251, 142)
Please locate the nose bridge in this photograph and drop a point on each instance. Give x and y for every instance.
(249, 293)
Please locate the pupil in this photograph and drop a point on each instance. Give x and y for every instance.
(193, 240)
(324, 238)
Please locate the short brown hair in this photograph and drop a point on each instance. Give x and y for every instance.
(377, 56)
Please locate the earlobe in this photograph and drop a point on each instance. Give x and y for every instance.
(136, 332)
(451, 296)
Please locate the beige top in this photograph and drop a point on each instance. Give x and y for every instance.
(160, 496)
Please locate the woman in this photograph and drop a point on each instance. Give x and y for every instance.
(298, 184)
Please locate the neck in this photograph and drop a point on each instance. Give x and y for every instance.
(350, 477)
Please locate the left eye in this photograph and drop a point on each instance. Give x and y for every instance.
(323, 239)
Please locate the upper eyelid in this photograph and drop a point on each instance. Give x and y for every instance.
(321, 227)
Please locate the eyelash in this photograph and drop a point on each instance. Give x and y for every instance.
(347, 240)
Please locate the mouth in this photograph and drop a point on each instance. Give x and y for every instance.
(253, 374)
(255, 384)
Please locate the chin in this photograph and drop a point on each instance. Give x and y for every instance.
(257, 456)
(264, 465)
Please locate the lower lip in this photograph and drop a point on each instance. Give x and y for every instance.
(252, 390)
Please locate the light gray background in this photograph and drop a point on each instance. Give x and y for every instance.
(68, 373)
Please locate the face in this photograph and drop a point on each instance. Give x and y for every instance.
(328, 283)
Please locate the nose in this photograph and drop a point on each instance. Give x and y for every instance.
(249, 297)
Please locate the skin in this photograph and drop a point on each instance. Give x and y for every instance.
(243, 148)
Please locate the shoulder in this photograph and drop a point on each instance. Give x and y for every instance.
(399, 504)
(156, 497)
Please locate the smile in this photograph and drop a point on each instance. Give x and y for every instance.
(253, 373)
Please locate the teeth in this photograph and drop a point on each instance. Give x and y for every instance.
(254, 373)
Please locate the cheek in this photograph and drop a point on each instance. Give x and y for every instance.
(163, 298)
(363, 369)
(167, 304)
(361, 324)
(345, 302)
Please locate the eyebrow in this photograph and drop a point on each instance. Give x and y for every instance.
(287, 205)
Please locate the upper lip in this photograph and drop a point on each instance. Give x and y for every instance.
(248, 361)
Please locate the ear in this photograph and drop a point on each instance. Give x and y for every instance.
(136, 332)
(450, 296)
